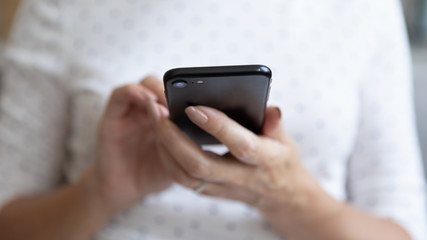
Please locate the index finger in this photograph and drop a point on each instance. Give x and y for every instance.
(122, 98)
(156, 86)
(178, 148)
(241, 142)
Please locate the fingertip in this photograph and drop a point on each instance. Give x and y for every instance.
(121, 98)
(149, 79)
(210, 112)
(278, 112)
(272, 121)
(144, 93)
(164, 112)
(151, 95)
(274, 112)
(155, 86)
(196, 115)
(205, 108)
(153, 111)
(141, 96)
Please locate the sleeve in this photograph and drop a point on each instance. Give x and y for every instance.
(33, 102)
(385, 173)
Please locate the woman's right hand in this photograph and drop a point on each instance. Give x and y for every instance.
(128, 167)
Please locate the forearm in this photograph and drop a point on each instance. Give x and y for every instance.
(319, 216)
(351, 223)
(68, 213)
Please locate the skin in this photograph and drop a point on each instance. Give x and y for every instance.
(141, 152)
(266, 172)
(126, 171)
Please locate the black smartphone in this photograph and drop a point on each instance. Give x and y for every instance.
(241, 92)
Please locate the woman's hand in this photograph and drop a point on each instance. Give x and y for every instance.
(266, 172)
(128, 166)
(263, 171)
(256, 168)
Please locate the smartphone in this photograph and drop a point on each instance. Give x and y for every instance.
(241, 92)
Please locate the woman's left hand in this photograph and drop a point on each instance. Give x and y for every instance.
(261, 170)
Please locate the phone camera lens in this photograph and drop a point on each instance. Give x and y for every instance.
(180, 84)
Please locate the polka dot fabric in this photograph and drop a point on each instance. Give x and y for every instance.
(341, 76)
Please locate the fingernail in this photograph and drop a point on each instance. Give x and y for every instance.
(196, 115)
(153, 111)
(279, 112)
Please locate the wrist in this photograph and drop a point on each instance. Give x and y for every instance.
(303, 204)
(97, 202)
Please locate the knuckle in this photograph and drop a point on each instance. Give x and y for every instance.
(274, 178)
(217, 129)
(245, 149)
(199, 170)
(150, 78)
(125, 89)
(116, 92)
(152, 82)
(218, 124)
(128, 87)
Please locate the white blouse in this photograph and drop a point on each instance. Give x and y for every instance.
(341, 76)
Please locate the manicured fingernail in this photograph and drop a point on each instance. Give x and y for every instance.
(196, 115)
(153, 111)
(278, 112)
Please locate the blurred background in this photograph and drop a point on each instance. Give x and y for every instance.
(416, 19)
(7, 10)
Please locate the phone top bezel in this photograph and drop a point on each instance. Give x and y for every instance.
(216, 71)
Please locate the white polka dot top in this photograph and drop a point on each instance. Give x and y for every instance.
(341, 75)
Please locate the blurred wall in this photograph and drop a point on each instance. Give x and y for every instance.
(7, 10)
(419, 54)
(416, 19)
(423, 20)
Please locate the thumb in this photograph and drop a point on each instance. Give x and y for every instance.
(273, 127)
